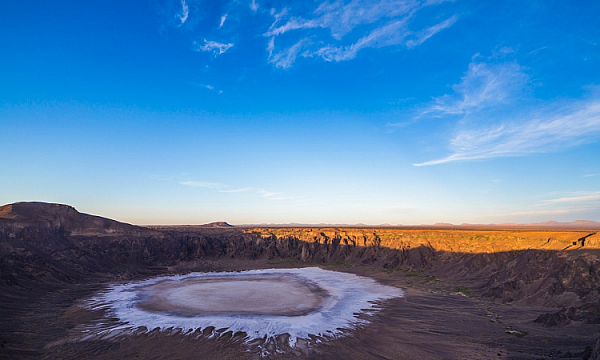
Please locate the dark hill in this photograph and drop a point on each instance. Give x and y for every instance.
(63, 217)
(218, 224)
(52, 256)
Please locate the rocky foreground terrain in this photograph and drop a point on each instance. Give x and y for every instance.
(480, 293)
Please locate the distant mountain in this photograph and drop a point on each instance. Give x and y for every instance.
(69, 219)
(575, 225)
(217, 224)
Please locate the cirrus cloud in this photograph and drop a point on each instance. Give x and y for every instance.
(337, 31)
(215, 47)
(493, 122)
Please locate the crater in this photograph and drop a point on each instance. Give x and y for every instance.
(263, 304)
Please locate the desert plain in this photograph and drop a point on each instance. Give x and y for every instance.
(467, 292)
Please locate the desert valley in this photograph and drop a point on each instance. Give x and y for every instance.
(422, 293)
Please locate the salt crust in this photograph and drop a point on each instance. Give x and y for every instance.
(331, 302)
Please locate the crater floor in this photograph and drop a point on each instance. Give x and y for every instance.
(260, 294)
(263, 304)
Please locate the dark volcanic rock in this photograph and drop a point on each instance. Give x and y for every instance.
(217, 224)
(587, 314)
(550, 278)
(62, 217)
(45, 247)
(558, 318)
(52, 242)
(595, 354)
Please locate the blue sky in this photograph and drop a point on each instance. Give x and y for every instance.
(398, 112)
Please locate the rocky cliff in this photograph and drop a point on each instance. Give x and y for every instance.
(50, 242)
(50, 246)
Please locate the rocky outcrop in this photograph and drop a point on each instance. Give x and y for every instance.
(547, 278)
(55, 243)
(63, 218)
(448, 240)
(595, 353)
(45, 248)
(587, 314)
(527, 267)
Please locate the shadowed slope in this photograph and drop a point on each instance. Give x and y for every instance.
(47, 248)
(62, 217)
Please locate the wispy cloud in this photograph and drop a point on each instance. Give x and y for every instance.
(330, 30)
(201, 184)
(593, 197)
(430, 31)
(591, 175)
(285, 58)
(253, 5)
(223, 18)
(265, 193)
(573, 203)
(386, 35)
(493, 122)
(206, 86)
(541, 131)
(582, 203)
(484, 85)
(342, 18)
(215, 47)
(212, 88)
(185, 12)
(375, 23)
(563, 211)
(222, 188)
(273, 195)
(236, 190)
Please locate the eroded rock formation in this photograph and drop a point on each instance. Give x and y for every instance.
(46, 246)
